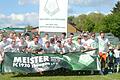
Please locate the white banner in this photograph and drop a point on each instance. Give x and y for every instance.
(53, 15)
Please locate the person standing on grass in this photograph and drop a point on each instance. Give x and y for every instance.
(103, 44)
(3, 44)
(117, 57)
(110, 59)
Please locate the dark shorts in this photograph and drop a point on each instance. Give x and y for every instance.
(117, 61)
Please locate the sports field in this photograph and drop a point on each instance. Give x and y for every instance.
(59, 77)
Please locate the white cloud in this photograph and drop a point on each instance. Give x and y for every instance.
(32, 18)
(2, 15)
(25, 2)
(98, 12)
(91, 3)
(88, 12)
(83, 3)
(94, 5)
(19, 19)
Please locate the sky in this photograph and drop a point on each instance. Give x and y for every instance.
(25, 12)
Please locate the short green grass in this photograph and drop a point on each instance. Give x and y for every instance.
(58, 77)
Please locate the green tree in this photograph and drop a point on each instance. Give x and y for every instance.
(91, 22)
(97, 21)
(80, 21)
(89, 25)
(70, 19)
(113, 23)
(116, 9)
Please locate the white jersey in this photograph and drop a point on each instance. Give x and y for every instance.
(49, 50)
(44, 40)
(57, 49)
(17, 39)
(90, 43)
(117, 53)
(4, 44)
(28, 42)
(52, 45)
(22, 46)
(93, 43)
(86, 43)
(79, 47)
(10, 48)
(34, 46)
(71, 48)
(103, 44)
(1, 54)
(63, 41)
(9, 39)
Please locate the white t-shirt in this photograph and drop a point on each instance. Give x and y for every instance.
(93, 43)
(103, 44)
(4, 44)
(90, 43)
(117, 53)
(28, 42)
(57, 49)
(10, 48)
(22, 46)
(86, 43)
(49, 50)
(44, 40)
(63, 41)
(79, 47)
(52, 45)
(34, 46)
(9, 39)
(71, 48)
(17, 39)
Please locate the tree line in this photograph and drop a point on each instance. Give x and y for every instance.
(97, 22)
